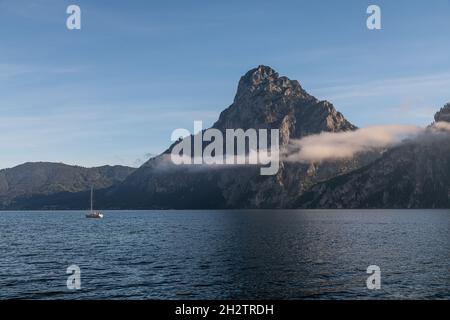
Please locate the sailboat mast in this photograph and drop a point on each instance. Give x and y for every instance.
(92, 197)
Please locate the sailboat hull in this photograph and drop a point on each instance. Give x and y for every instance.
(94, 215)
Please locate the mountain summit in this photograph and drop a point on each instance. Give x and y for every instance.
(264, 79)
(264, 100)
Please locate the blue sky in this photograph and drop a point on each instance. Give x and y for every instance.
(112, 92)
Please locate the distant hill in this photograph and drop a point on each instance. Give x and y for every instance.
(21, 187)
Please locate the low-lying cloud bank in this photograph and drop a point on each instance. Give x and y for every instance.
(345, 145)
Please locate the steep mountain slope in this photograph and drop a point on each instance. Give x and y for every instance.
(23, 184)
(415, 174)
(264, 100)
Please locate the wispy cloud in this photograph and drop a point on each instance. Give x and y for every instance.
(377, 88)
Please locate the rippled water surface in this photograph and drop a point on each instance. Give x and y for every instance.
(278, 254)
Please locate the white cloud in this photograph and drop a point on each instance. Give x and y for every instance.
(344, 145)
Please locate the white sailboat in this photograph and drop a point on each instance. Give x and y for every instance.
(92, 213)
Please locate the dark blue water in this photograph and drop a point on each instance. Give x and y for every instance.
(226, 255)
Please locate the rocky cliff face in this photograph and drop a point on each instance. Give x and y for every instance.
(415, 174)
(264, 100)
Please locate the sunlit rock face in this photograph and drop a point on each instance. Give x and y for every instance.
(266, 100)
(443, 114)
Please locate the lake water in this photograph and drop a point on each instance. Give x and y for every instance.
(276, 254)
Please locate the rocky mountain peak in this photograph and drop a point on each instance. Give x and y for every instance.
(443, 114)
(266, 100)
(265, 80)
